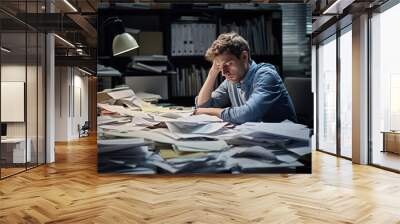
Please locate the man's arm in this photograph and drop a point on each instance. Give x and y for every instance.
(218, 98)
(209, 111)
(208, 86)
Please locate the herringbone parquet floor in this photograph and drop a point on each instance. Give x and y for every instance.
(71, 191)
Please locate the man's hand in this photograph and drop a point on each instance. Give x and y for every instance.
(214, 70)
(208, 111)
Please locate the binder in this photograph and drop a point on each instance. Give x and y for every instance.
(188, 80)
(174, 34)
(191, 38)
(179, 40)
(190, 45)
(195, 36)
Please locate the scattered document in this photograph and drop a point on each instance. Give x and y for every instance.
(148, 97)
(283, 129)
(127, 93)
(200, 146)
(199, 118)
(119, 144)
(193, 128)
(108, 119)
(107, 71)
(122, 128)
(138, 137)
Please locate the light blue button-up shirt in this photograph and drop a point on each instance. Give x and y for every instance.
(260, 96)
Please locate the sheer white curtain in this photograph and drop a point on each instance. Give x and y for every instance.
(327, 95)
(385, 77)
(346, 93)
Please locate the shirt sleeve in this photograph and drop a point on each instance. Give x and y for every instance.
(267, 89)
(219, 97)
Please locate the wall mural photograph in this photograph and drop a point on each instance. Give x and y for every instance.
(204, 88)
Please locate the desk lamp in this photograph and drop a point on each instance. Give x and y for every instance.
(123, 42)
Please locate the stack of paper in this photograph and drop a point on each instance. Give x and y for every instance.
(106, 71)
(131, 135)
(284, 129)
(112, 145)
(148, 97)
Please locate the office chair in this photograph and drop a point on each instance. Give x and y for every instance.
(299, 89)
(84, 130)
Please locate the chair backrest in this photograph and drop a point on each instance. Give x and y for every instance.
(86, 125)
(299, 89)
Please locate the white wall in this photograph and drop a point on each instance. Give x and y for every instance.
(80, 112)
(71, 94)
(62, 81)
(9, 73)
(33, 126)
(16, 73)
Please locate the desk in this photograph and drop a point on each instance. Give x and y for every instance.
(391, 141)
(147, 139)
(13, 150)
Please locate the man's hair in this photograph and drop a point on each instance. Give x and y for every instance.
(228, 42)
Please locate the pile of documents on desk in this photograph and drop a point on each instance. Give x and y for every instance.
(136, 137)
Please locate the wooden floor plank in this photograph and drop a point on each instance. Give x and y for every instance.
(71, 191)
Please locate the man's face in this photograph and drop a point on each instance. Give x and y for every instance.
(232, 68)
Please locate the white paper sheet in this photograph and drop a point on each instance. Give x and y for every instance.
(254, 164)
(199, 119)
(122, 128)
(148, 97)
(112, 145)
(183, 136)
(138, 121)
(253, 151)
(301, 151)
(108, 119)
(200, 146)
(123, 111)
(284, 129)
(287, 158)
(202, 128)
(127, 93)
(175, 115)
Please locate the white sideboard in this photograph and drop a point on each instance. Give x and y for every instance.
(18, 149)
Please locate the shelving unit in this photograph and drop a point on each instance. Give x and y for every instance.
(161, 20)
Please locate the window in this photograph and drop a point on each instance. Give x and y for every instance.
(385, 84)
(346, 92)
(327, 95)
(22, 78)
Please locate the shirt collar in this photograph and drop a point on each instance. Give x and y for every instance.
(246, 82)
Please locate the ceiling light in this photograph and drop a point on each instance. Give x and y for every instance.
(338, 6)
(5, 50)
(84, 71)
(65, 41)
(70, 5)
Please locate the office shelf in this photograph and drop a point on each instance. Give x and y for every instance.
(161, 20)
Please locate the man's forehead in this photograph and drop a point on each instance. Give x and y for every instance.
(224, 57)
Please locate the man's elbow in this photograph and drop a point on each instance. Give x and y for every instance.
(201, 104)
(241, 116)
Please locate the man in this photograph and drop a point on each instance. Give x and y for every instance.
(250, 92)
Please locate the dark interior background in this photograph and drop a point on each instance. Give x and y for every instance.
(289, 25)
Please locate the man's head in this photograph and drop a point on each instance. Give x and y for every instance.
(231, 53)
